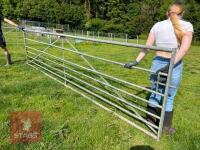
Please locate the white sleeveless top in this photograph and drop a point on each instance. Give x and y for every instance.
(164, 33)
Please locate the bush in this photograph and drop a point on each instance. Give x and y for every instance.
(197, 32)
(139, 25)
(114, 28)
(143, 36)
(95, 24)
(72, 15)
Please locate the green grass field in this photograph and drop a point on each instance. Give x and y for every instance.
(70, 121)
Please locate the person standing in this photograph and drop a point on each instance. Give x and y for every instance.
(171, 33)
(2, 39)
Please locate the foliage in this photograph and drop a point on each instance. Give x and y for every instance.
(95, 24)
(134, 17)
(72, 15)
(112, 27)
(138, 25)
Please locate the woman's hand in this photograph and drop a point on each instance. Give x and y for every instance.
(20, 27)
(131, 64)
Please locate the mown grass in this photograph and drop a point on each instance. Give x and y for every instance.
(70, 121)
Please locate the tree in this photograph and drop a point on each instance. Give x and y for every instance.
(127, 16)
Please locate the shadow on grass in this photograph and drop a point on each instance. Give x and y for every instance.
(19, 61)
(141, 147)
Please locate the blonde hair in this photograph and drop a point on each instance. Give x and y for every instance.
(174, 12)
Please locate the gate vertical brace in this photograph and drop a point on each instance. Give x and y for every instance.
(173, 55)
(25, 46)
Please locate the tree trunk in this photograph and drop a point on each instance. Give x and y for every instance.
(87, 9)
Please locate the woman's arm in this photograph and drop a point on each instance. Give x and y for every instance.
(10, 22)
(143, 52)
(185, 45)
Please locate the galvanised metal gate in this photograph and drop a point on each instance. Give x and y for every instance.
(51, 54)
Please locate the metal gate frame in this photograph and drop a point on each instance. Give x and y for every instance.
(36, 56)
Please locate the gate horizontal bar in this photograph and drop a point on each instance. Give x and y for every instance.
(103, 41)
